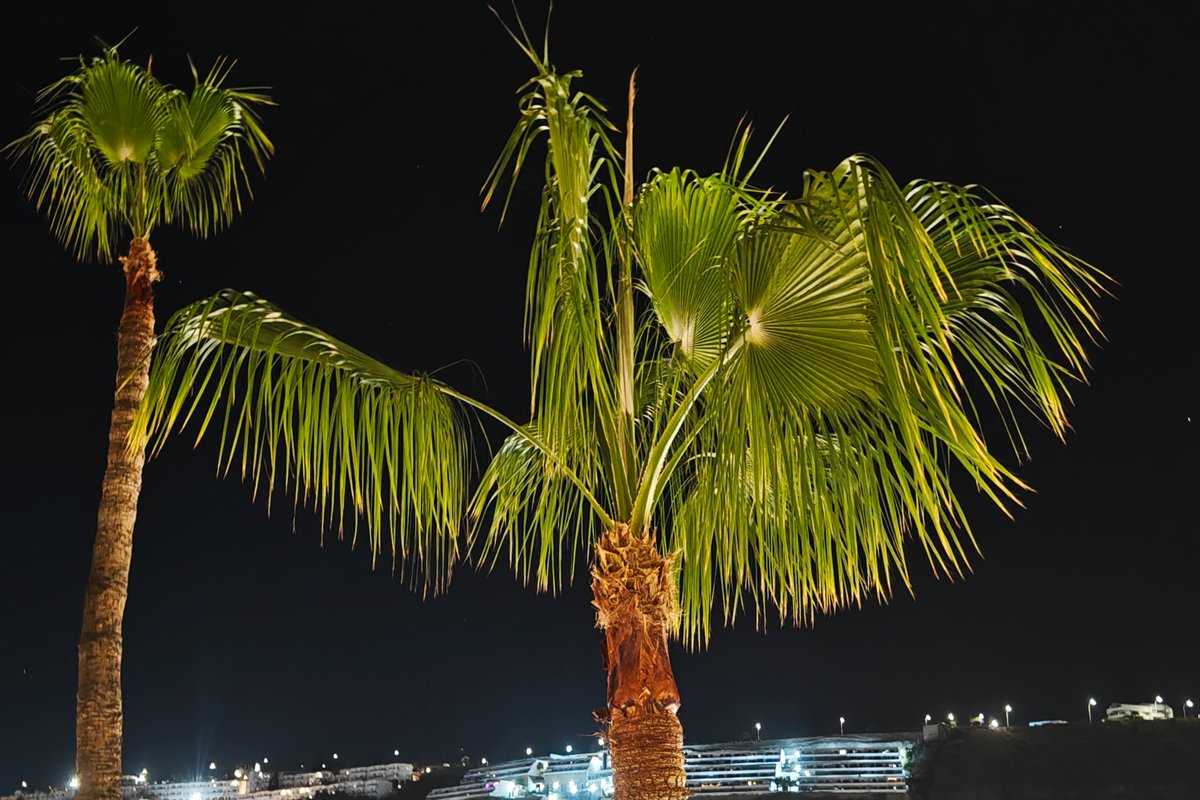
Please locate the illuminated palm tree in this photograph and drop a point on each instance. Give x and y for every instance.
(736, 395)
(117, 154)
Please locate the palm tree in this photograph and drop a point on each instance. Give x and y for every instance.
(118, 153)
(737, 394)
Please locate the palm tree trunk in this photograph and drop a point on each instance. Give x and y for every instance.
(98, 714)
(634, 594)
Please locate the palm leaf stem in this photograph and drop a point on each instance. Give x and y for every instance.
(650, 486)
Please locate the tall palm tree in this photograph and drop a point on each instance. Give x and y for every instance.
(116, 154)
(741, 395)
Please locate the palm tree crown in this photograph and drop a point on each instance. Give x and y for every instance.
(118, 152)
(778, 383)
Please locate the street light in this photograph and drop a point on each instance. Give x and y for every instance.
(335, 756)
(601, 741)
(841, 725)
(950, 717)
(758, 731)
(928, 719)
(528, 751)
(569, 748)
(1186, 705)
(1007, 711)
(1091, 702)
(212, 765)
(1157, 699)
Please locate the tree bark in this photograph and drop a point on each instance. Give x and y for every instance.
(633, 587)
(98, 712)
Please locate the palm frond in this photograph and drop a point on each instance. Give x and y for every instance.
(536, 518)
(201, 150)
(564, 321)
(684, 227)
(829, 438)
(343, 432)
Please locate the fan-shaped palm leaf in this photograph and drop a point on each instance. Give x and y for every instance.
(358, 438)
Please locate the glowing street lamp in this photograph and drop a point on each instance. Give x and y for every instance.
(993, 723)
(928, 719)
(483, 761)
(1091, 703)
(841, 725)
(569, 748)
(1186, 705)
(528, 751)
(601, 739)
(1157, 700)
(335, 756)
(1007, 711)
(950, 717)
(758, 731)
(212, 765)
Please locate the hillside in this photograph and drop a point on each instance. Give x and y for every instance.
(1104, 761)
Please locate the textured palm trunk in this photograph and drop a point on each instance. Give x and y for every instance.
(634, 594)
(98, 714)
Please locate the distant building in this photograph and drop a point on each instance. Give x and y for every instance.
(1119, 711)
(373, 781)
(397, 772)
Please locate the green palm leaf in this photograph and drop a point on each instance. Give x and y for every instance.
(684, 228)
(342, 431)
(531, 514)
(824, 441)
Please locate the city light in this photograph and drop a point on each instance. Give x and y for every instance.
(237, 773)
(1007, 711)
(268, 761)
(758, 731)
(601, 739)
(528, 751)
(395, 752)
(257, 767)
(335, 756)
(483, 761)
(195, 796)
(950, 717)
(569, 748)
(994, 723)
(74, 782)
(1091, 703)
(928, 719)
(841, 725)
(1186, 705)
(24, 785)
(212, 765)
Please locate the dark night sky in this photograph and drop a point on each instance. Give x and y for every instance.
(246, 638)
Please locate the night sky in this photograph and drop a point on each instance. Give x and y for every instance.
(245, 638)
